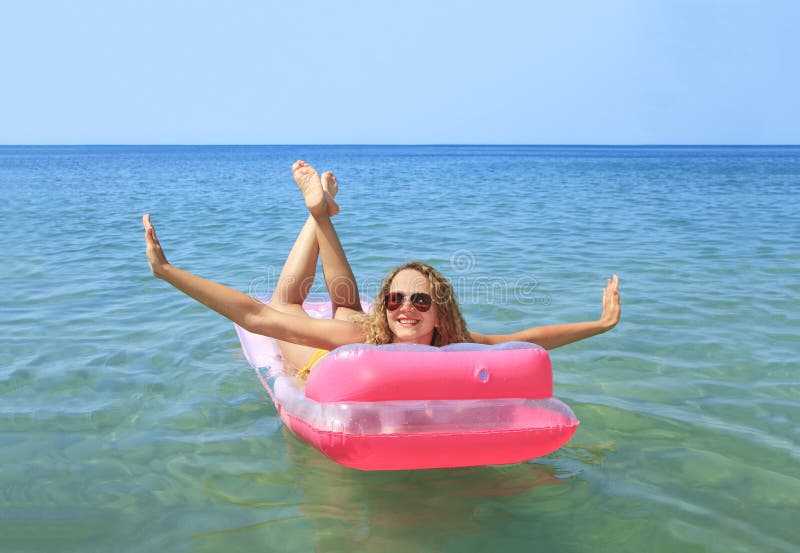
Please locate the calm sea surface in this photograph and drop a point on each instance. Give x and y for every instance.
(130, 421)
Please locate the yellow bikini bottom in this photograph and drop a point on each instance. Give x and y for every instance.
(302, 374)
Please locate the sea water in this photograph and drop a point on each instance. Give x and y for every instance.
(130, 421)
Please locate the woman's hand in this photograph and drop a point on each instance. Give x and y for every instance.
(155, 255)
(611, 309)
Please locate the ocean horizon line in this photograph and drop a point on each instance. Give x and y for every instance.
(394, 145)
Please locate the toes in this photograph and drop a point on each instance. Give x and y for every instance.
(303, 173)
(329, 183)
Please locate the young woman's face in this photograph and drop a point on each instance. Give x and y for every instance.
(410, 294)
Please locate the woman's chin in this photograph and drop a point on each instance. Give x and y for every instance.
(411, 336)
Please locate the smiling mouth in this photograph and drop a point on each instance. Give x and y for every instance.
(407, 322)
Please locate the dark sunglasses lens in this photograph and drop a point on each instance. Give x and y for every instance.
(421, 302)
(394, 300)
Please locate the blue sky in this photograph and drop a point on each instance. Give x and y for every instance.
(411, 72)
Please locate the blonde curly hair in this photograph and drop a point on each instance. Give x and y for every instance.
(450, 328)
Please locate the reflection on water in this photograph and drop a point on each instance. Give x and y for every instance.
(351, 510)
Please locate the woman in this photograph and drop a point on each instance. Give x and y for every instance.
(415, 304)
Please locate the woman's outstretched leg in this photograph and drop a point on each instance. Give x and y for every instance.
(339, 278)
(297, 275)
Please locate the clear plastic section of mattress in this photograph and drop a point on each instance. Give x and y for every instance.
(415, 416)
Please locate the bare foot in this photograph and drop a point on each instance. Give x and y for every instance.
(309, 184)
(155, 255)
(330, 187)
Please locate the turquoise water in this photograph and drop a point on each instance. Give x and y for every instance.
(129, 420)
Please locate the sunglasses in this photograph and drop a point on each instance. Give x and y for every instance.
(419, 300)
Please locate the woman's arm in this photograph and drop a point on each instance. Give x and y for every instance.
(246, 311)
(550, 337)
